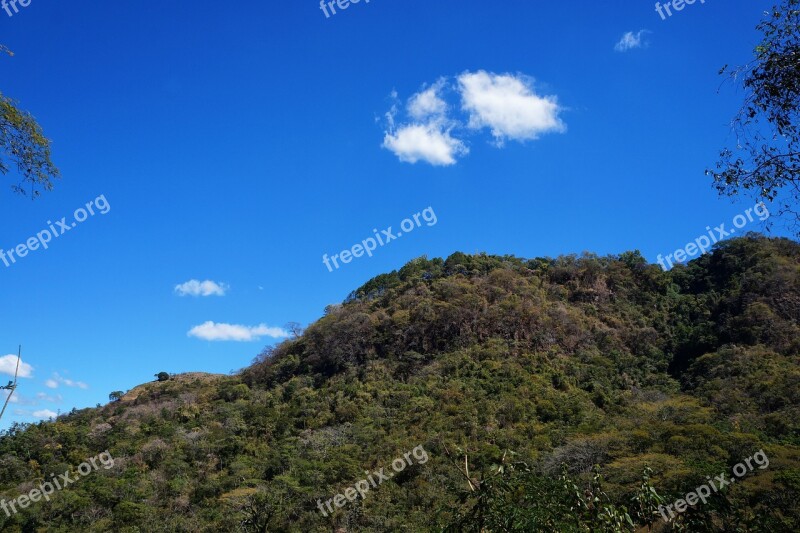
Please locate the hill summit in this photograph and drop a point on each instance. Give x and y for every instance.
(581, 393)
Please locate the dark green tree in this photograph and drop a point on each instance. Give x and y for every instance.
(24, 150)
(765, 163)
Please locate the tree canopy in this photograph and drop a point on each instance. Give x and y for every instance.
(765, 162)
(568, 394)
(24, 150)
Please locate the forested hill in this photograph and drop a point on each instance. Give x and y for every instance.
(515, 376)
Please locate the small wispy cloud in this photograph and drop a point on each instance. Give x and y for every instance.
(57, 380)
(431, 143)
(4, 394)
(44, 414)
(41, 414)
(428, 137)
(17, 398)
(212, 331)
(632, 40)
(8, 365)
(50, 399)
(201, 288)
(428, 103)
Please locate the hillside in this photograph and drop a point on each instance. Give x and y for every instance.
(515, 377)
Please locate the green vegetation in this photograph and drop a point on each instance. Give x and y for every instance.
(115, 396)
(24, 148)
(765, 162)
(568, 394)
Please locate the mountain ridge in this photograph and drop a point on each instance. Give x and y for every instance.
(517, 376)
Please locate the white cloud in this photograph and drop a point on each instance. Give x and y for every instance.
(212, 331)
(508, 106)
(44, 414)
(57, 379)
(17, 398)
(505, 104)
(8, 365)
(428, 137)
(4, 394)
(201, 288)
(425, 142)
(47, 398)
(427, 103)
(631, 40)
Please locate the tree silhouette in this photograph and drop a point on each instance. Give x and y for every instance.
(765, 162)
(24, 148)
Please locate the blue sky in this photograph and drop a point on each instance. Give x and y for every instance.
(239, 142)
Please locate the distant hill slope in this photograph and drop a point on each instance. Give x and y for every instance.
(546, 366)
(195, 379)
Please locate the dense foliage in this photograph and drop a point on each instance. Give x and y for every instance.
(568, 394)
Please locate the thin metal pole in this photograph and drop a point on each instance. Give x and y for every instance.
(14, 386)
